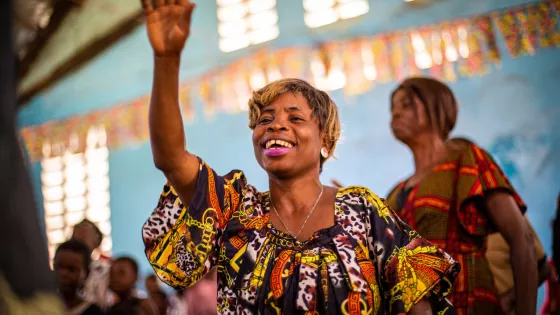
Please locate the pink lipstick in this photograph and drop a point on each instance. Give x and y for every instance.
(276, 151)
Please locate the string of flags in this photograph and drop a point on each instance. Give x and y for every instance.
(466, 47)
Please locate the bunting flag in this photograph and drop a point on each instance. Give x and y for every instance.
(548, 25)
(381, 53)
(448, 50)
(410, 68)
(207, 95)
(397, 58)
(484, 30)
(507, 24)
(185, 102)
(358, 61)
(434, 48)
(476, 63)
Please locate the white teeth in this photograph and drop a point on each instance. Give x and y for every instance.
(282, 143)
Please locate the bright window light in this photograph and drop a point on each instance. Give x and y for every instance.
(76, 186)
(242, 23)
(323, 12)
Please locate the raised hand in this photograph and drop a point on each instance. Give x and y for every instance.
(168, 23)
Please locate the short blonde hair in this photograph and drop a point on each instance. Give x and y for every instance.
(323, 107)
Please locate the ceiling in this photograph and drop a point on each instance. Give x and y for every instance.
(56, 37)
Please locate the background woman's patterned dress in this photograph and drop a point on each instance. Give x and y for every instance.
(369, 262)
(430, 208)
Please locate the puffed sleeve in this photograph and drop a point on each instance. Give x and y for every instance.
(182, 244)
(411, 268)
(479, 175)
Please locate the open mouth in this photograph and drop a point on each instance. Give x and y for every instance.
(277, 144)
(274, 148)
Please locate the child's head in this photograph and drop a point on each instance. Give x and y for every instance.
(71, 265)
(124, 274)
(152, 284)
(88, 233)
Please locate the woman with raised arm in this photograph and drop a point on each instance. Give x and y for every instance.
(301, 247)
(457, 196)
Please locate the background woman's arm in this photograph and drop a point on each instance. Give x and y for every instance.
(504, 213)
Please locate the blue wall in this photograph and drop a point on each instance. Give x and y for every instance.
(510, 111)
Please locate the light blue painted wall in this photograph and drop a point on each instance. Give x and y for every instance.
(510, 111)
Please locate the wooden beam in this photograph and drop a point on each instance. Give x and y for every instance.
(61, 8)
(83, 55)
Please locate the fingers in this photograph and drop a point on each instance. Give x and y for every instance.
(190, 7)
(159, 3)
(170, 2)
(184, 3)
(147, 6)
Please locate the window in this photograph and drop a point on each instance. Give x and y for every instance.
(242, 23)
(448, 45)
(322, 12)
(76, 186)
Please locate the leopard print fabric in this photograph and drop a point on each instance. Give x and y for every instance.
(367, 262)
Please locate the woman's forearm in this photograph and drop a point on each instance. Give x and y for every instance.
(167, 135)
(525, 272)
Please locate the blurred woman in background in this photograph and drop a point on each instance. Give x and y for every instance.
(457, 197)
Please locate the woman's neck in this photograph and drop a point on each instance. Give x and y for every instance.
(427, 152)
(295, 195)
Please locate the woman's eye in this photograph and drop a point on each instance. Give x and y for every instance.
(296, 118)
(264, 121)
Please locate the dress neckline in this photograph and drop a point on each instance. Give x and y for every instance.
(318, 234)
(450, 158)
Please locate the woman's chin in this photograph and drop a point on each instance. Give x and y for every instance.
(279, 172)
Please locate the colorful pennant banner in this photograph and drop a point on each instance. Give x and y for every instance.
(448, 50)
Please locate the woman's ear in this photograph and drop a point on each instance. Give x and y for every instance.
(325, 143)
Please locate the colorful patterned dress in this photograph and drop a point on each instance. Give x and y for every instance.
(368, 262)
(431, 209)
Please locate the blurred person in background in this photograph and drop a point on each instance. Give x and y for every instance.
(122, 281)
(161, 301)
(71, 264)
(96, 289)
(457, 196)
(151, 283)
(201, 298)
(27, 284)
(556, 235)
(551, 305)
(498, 255)
(178, 303)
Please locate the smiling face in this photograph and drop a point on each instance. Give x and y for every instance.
(286, 139)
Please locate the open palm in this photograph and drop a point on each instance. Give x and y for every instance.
(168, 23)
